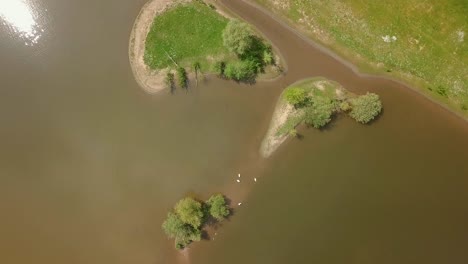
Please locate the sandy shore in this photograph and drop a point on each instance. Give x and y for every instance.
(152, 81)
(271, 141)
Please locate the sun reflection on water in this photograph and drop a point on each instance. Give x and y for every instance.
(21, 17)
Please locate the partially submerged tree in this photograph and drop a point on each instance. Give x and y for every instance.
(365, 107)
(218, 207)
(183, 233)
(190, 212)
(237, 37)
(296, 96)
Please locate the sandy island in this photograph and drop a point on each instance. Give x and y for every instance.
(152, 81)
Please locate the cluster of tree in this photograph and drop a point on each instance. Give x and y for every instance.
(253, 53)
(186, 221)
(320, 109)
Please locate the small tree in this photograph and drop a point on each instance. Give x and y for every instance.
(218, 207)
(237, 37)
(190, 212)
(219, 68)
(182, 77)
(296, 96)
(196, 67)
(169, 81)
(365, 107)
(319, 114)
(267, 57)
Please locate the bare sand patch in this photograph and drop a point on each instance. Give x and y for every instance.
(273, 141)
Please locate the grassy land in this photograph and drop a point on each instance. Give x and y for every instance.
(187, 33)
(315, 88)
(424, 43)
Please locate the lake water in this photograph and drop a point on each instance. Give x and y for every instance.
(90, 164)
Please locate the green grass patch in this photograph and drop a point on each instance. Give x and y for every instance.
(186, 33)
(424, 43)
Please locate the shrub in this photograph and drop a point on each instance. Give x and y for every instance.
(237, 37)
(268, 57)
(320, 113)
(296, 96)
(293, 133)
(218, 207)
(241, 70)
(190, 212)
(182, 77)
(345, 106)
(365, 107)
(441, 90)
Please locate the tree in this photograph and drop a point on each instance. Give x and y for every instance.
(237, 37)
(365, 107)
(182, 77)
(296, 96)
(241, 70)
(218, 207)
(183, 233)
(319, 114)
(190, 212)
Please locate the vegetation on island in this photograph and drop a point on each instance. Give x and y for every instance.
(421, 42)
(316, 100)
(186, 221)
(193, 36)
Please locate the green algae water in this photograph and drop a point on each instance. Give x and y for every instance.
(90, 164)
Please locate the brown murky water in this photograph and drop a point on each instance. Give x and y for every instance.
(90, 164)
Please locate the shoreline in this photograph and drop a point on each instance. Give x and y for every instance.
(353, 64)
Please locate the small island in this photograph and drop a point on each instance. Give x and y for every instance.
(174, 39)
(314, 102)
(186, 221)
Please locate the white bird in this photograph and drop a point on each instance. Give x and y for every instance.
(255, 179)
(238, 180)
(239, 204)
(238, 175)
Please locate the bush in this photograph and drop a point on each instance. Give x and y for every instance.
(293, 133)
(320, 113)
(345, 106)
(241, 70)
(237, 37)
(190, 212)
(365, 107)
(218, 207)
(182, 77)
(296, 96)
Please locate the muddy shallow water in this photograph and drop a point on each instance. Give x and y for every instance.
(90, 164)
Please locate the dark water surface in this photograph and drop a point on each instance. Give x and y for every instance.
(90, 164)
